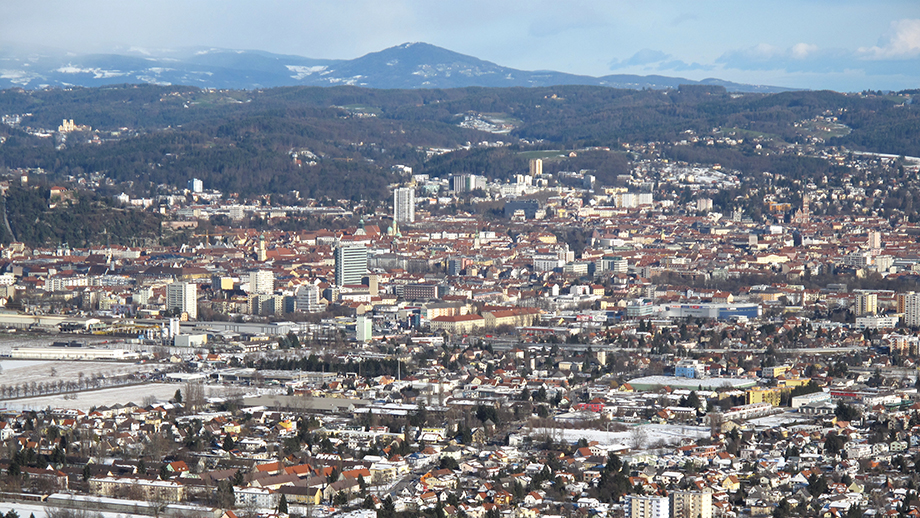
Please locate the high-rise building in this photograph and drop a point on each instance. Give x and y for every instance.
(866, 304)
(184, 297)
(350, 264)
(404, 205)
(691, 504)
(536, 167)
(195, 185)
(875, 240)
(467, 182)
(364, 328)
(646, 506)
(308, 299)
(261, 282)
(909, 305)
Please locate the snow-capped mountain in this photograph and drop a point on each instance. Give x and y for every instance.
(411, 65)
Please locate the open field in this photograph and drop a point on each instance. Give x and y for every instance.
(17, 372)
(544, 154)
(85, 400)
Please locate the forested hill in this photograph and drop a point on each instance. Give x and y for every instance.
(348, 139)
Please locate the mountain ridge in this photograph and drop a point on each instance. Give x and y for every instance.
(409, 65)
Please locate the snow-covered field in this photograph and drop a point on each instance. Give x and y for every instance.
(162, 392)
(655, 434)
(39, 511)
(16, 372)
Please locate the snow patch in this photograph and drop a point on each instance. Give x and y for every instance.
(17, 76)
(301, 72)
(98, 73)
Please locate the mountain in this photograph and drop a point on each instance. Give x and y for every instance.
(410, 65)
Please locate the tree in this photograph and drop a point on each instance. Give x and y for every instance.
(387, 509)
(282, 505)
(228, 443)
(782, 510)
(637, 437)
(225, 494)
(845, 412)
(833, 444)
(194, 396)
(178, 396)
(693, 401)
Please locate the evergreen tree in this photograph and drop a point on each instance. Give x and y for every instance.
(282, 505)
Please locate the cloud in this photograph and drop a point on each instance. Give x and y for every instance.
(646, 57)
(901, 42)
(656, 60)
(801, 57)
(803, 50)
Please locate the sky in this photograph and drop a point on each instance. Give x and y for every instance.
(843, 45)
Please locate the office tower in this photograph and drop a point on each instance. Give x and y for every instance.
(184, 297)
(350, 264)
(691, 504)
(404, 205)
(261, 282)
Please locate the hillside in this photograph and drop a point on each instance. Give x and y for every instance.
(246, 141)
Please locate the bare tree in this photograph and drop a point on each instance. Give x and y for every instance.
(637, 437)
(193, 396)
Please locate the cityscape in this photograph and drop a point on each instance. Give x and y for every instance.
(643, 298)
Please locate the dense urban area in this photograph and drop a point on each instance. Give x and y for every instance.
(492, 317)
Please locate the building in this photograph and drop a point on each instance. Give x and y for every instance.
(875, 240)
(515, 317)
(467, 182)
(691, 504)
(772, 395)
(71, 353)
(866, 304)
(364, 328)
(195, 185)
(422, 291)
(458, 324)
(404, 205)
(350, 265)
(261, 282)
(184, 297)
(307, 299)
(536, 167)
(909, 305)
(692, 369)
(138, 489)
(646, 506)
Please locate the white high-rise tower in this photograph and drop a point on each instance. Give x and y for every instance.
(404, 205)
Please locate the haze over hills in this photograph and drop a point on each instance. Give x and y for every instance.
(410, 65)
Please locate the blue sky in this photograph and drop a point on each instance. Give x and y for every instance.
(820, 44)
